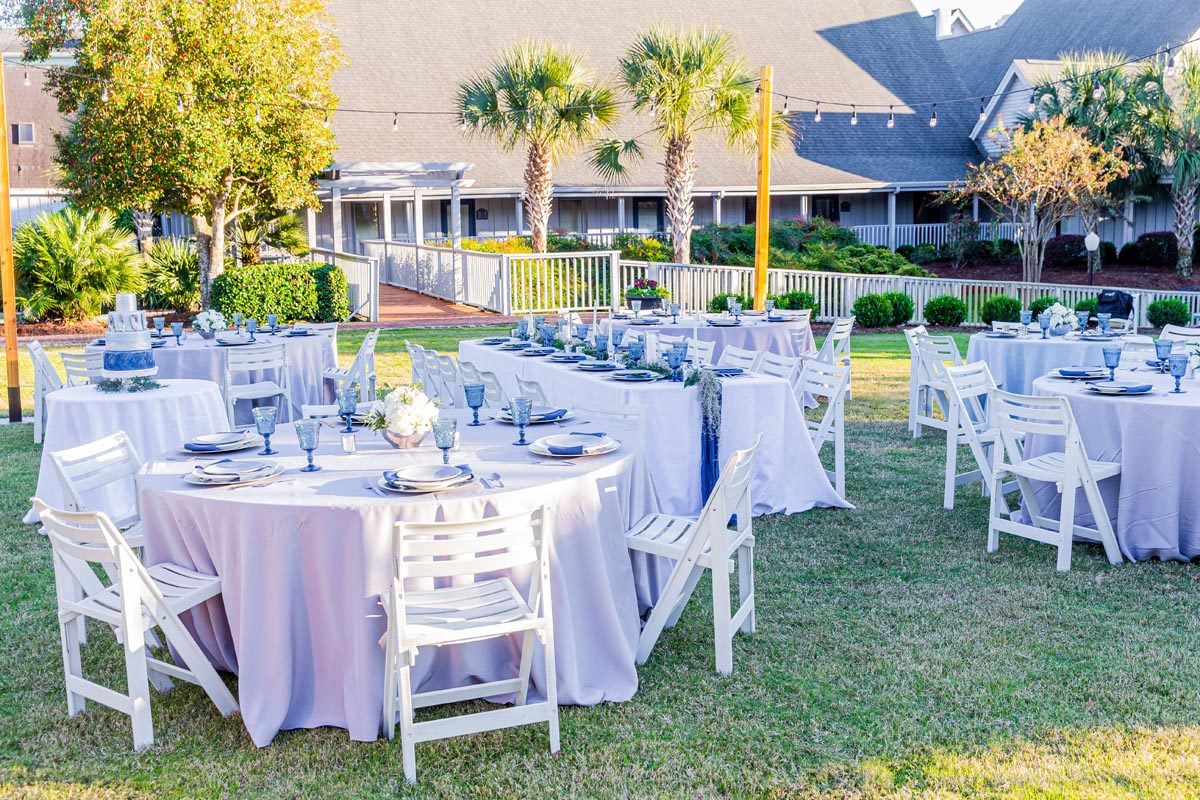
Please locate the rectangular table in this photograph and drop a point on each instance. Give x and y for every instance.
(788, 476)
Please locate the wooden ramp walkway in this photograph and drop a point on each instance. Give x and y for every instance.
(401, 308)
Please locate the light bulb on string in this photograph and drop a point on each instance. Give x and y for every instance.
(933, 116)
(891, 123)
(27, 81)
(1032, 104)
(853, 115)
(257, 115)
(817, 116)
(712, 100)
(591, 115)
(785, 106)
(326, 119)
(395, 121)
(462, 125)
(1098, 92)
(982, 110)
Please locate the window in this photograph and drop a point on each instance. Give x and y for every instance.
(22, 133)
(571, 216)
(466, 216)
(826, 206)
(648, 213)
(928, 209)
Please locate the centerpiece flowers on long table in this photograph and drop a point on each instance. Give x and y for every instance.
(403, 416)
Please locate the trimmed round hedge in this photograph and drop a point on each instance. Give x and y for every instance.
(1000, 308)
(903, 307)
(1042, 303)
(1168, 311)
(873, 311)
(946, 311)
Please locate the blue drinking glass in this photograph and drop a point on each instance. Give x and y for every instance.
(602, 342)
(636, 305)
(617, 335)
(539, 320)
(347, 404)
(1112, 360)
(252, 327)
(675, 358)
(522, 410)
(237, 322)
(770, 307)
(1044, 322)
(636, 350)
(1162, 349)
(1179, 365)
(444, 429)
(475, 393)
(522, 328)
(1026, 318)
(264, 423)
(1103, 320)
(159, 323)
(273, 322)
(308, 434)
(177, 332)
(581, 331)
(1082, 317)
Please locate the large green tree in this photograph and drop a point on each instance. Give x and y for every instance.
(542, 97)
(216, 108)
(691, 83)
(1176, 123)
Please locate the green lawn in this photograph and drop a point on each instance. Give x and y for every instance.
(894, 659)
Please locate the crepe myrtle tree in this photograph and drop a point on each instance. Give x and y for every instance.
(216, 109)
(538, 96)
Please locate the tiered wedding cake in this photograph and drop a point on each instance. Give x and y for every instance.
(127, 351)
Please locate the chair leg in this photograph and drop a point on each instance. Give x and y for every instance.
(68, 631)
(526, 664)
(198, 664)
(663, 609)
(746, 585)
(389, 681)
(951, 459)
(722, 635)
(1066, 525)
(552, 690)
(839, 450)
(408, 742)
(1108, 537)
(689, 589)
(993, 540)
(139, 691)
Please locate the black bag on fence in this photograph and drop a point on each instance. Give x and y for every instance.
(1117, 303)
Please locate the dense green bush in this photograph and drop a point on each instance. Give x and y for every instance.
(172, 275)
(1157, 249)
(1066, 251)
(1129, 253)
(873, 311)
(902, 307)
(286, 288)
(1000, 308)
(1108, 253)
(1168, 311)
(796, 301)
(719, 301)
(642, 248)
(71, 264)
(1087, 304)
(908, 251)
(1002, 250)
(923, 253)
(333, 293)
(946, 311)
(1042, 303)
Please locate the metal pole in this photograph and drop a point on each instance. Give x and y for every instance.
(762, 215)
(8, 277)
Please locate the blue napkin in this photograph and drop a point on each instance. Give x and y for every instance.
(201, 448)
(1078, 372)
(391, 477)
(1141, 387)
(728, 370)
(555, 414)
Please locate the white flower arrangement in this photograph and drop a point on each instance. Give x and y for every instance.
(404, 411)
(209, 321)
(1061, 315)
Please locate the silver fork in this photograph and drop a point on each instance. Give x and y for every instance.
(370, 486)
(497, 480)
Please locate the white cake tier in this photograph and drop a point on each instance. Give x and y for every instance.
(126, 302)
(124, 341)
(122, 321)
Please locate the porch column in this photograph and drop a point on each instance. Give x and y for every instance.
(1127, 227)
(335, 208)
(456, 259)
(385, 213)
(717, 207)
(805, 207)
(310, 221)
(975, 207)
(418, 220)
(891, 212)
(520, 212)
(620, 214)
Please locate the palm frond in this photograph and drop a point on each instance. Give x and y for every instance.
(610, 156)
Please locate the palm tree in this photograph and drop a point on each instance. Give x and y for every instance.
(691, 83)
(540, 96)
(269, 227)
(1097, 94)
(1176, 124)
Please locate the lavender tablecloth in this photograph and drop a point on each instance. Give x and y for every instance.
(754, 333)
(1016, 363)
(1155, 503)
(303, 561)
(788, 476)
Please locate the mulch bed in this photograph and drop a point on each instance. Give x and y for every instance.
(1117, 275)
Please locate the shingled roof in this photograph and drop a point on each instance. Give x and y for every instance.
(411, 56)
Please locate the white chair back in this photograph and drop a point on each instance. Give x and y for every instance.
(493, 392)
(533, 390)
(82, 368)
(779, 366)
(45, 381)
(738, 357)
(701, 351)
(469, 372)
(632, 415)
(416, 359)
(836, 347)
(657, 344)
(1179, 333)
(1136, 351)
(362, 371)
(251, 359)
(95, 465)
(433, 374)
(967, 390)
(452, 383)
(831, 382)
(1008, 327)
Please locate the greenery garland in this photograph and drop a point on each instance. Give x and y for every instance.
(142, 383)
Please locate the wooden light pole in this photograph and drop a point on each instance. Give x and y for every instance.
(762, 204)
(8, 276)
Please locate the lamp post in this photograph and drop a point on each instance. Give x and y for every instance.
(1092, 243)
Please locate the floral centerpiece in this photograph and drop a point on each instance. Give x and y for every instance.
(648, 291)
(1062, 318)
(209, 323)
(403, 415)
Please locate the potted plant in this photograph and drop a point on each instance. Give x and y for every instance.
(209, 323)
(403, 415)
(649, 292)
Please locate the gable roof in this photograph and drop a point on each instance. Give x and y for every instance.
(411, 56)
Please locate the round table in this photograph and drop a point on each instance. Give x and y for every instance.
(1015, 363)
(304, 559)
(753, 333)
(155, 420)
(307, 358)
(1154, 504)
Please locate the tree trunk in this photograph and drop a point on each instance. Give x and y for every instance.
(1090, 217)
(1031, 247)
(204, 258)
(210, 242)
(679, 168)
(1184, 199)
(539, 193)
(143, 220)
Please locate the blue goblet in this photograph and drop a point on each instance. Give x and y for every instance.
(159, 323)
(602, 343)
(769, 305)
(273, 322)
(308, 434)
(1082, 318)
(581, 331)
(177, 332)
(237, 323)
(252, 327)
(347, 404)
(636, 305)
(264, 423)
(617, 335)
(1162, 349)
(444, 429)
(636, 350)
(539, 320)
(548, 332)
(675, 358)
(475, 393)
(675, 313)
(522, 409)
(1103, 320)
(1179, 365)
(522, 328)
(1026, 320)
(1044, 322)
(1112, 360)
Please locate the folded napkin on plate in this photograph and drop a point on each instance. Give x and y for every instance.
(728, 370)
(576, 449)
(464, 471)
(1079, 372)
(205, 447)
(1134, 389)
(546, 415)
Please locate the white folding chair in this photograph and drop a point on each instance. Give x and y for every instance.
(101, 463)
(1137, 350)
(82, 368)
(722, 531)
(831, 381)
(917, 390)
(361, 372)
(779, 366)
(469, 372)
(739, 357)
(432, 385)
(799, 335)
(327, 329)
(936, 353)
(250, 359)
(450, 586)
(657, 344)
(416, 359)
(1017, 416)
(45, 381)
(701, 351)
(137, 600)
(452, 383)
(1178, 333)
(836, 347)
(533, 390)
(493, 392)
(1123, 325)
(632, 415)
(967, 389)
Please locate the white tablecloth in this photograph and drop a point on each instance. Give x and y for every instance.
(203, 359)
(1155, 503)
(303, 561)
(788, 476)
(754, 333)
(1015, 363)
(155, 421)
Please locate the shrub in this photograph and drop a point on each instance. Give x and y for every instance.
(796, 301)
(71, 264)
(566, 243)
(1002, 250)
(873, 311)
(513, 244)
(962, 244)
(902, 307)
(1066, 251)
(333, 293)
(908, 251)
(1000, 308)
(286, 288)
(719, 302)
(1168, 311)
(642, 248)
(924, 253)
(1129, 253)
(1087, 304)
(1157, 249)
(946, 311)
(172, 275)
(913, 271)
(1108, 253)
(1042, 303)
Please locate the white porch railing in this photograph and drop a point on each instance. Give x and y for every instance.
(936, 234)
(362, 277)
(599, 237)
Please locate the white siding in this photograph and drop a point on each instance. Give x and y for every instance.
(1011, 108)
(26, 205)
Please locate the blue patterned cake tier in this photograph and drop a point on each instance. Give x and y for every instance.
(128, 360)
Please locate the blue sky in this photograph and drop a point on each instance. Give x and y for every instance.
(981, 12)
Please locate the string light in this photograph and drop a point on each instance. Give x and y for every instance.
(853, 115)
(712, 100)
(933, 117)
(326, 119)
(891, 123)
(257, 115)
(462, 125)
(785, 106)
(27, 81)
(591, 115)
(817, 116)
(982, 110)
(1098, 92)
(395, 122)
(1032, 104)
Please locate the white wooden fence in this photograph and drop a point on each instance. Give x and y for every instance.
(936, 234)
(362, 276)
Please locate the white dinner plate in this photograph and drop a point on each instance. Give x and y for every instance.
(383, 484)
(724, 323)
(426, 475)
(506, 416)
(636, 375)
(197, 479)
(246, 442)
(1092, 373)
(230, 467)
(1121, 388)
(593, 445)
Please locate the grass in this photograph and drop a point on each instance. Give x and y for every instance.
(894, 659)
